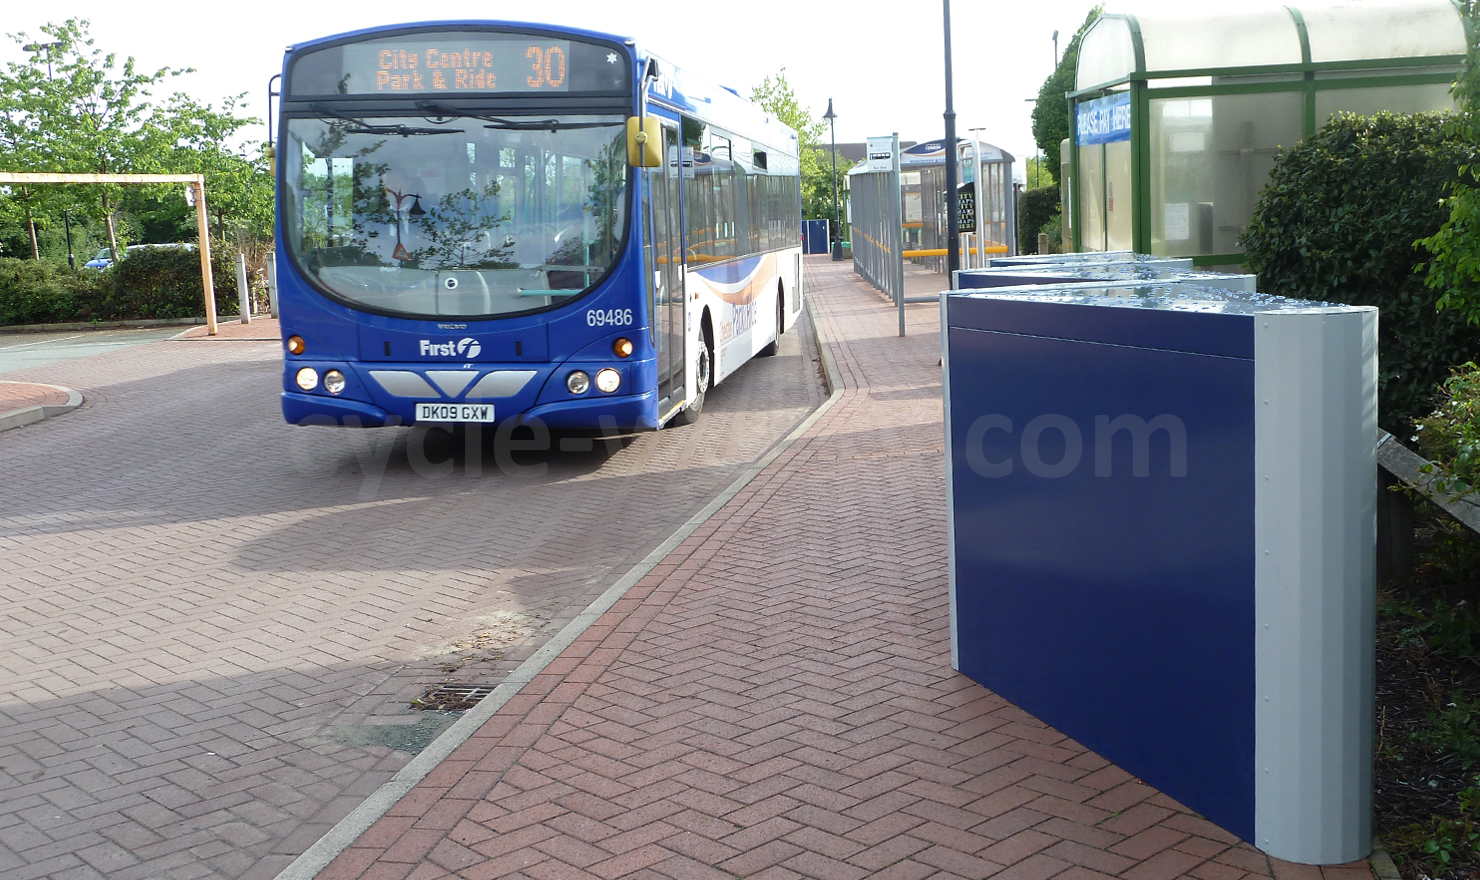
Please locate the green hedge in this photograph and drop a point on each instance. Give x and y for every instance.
(165, 283)
(37, 292)
(1035, 208)
(1338, 222)
(148, 283)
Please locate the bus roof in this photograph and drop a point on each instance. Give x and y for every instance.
(683, 91)
(674, 87)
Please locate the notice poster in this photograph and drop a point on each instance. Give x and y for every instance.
(1177, 221)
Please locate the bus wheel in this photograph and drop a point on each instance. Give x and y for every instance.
(775, 344)
(703, 370)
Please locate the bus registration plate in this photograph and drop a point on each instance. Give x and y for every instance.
(454, 412)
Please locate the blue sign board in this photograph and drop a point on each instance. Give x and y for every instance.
(1104, 120)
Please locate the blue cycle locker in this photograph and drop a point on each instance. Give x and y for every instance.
(1162, 514)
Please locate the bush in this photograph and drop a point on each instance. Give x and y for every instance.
(1338, 222)
(148, 283)
(1450, 436)
(1035, 208)
(1054, 229)
(165, 283)
(37, 292)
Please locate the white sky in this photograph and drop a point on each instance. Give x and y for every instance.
(883, 69)
(882, 64)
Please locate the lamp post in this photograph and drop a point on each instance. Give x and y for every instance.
(1055, 50)
(953, 235)
(43, 47)
(837, 236)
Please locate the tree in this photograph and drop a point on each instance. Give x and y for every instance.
(237, 186)
(1051, 112)
(90, 116)
(1038, 174)
(1454, 269)
(75, 109)
(775, 94)
(19, 140)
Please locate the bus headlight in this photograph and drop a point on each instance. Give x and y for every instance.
(295, 345)
(621, 348)
(307, 379)
(334, 382)
(608, 380)
(578, 382)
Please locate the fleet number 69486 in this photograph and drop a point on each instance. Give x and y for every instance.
(609, 318)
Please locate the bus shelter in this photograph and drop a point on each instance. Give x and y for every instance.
(985, 201)
(985, 172)
(1177, 117)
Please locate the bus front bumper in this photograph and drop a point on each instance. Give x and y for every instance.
(623, 413)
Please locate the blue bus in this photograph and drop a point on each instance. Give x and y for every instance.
(493, 221)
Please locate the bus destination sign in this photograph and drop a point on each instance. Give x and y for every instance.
(451, 62)
(477, 65)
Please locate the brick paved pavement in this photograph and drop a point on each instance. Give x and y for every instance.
(21, 395)
(775, 699)
(233, 328)
(212, 623)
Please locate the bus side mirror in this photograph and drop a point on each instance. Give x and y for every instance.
(644, 142)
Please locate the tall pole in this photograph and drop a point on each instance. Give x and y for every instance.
(953, 235)
(837, 236)
(203, 235)
(67, 223)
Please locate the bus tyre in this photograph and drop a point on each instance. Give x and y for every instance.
(703, 370)
(775, 344)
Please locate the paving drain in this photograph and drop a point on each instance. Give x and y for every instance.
(452, 697)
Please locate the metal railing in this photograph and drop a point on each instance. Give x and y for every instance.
(877, 233)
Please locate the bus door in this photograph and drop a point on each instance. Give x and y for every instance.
(666, 284)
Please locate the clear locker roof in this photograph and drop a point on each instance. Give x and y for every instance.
(1261, 33)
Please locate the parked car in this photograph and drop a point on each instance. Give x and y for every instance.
(104, 259)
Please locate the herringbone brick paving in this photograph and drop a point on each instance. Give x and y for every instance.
(775, 700)
(212, 623)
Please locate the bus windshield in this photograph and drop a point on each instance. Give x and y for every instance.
(470, 216)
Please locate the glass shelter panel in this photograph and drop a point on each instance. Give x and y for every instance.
(1092, 201)
(1420, 98)
(1118, 196)
(1106, 53)
(1240, 39)
(1209, 159)
(1358, 31)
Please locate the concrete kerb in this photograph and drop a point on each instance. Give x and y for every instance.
(32, 414)
(343, 835)
(103, 325)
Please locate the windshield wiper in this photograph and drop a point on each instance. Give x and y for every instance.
(551, 125)
(363, 127)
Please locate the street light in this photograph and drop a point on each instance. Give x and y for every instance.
(837, 236)
(1055, 50)
(953, 241)
(43, 47)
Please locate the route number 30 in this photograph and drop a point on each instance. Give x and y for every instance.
(609, 318)
(547, 67)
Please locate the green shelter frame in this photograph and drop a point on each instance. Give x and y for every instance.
(1215, 94)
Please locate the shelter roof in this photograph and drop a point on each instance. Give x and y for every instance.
(1247, 37)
